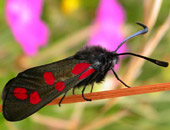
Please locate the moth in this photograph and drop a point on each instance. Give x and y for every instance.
(33, 88)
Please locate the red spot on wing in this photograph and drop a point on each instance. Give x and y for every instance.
(60, 86)
(34, 98)
(86, 73)
(49, 78)
(20, 93)
(80, 67)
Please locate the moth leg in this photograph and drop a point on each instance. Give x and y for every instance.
(92, 88)
(61, 100)
(84, 96)
(73, 91)
(93, 82)
(119, 78)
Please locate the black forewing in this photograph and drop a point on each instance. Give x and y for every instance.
(32, 80)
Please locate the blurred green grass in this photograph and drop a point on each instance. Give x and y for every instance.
(148, 112)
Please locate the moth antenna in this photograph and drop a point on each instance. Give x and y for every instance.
(134, 35)
(157, 62)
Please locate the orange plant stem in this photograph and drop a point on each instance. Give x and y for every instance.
(113, 93)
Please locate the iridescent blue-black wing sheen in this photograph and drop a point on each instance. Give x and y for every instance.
(36, 87)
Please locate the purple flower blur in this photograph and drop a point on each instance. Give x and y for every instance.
(110, 17)
(23, 17)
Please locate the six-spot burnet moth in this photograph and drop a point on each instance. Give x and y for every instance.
(38, 86)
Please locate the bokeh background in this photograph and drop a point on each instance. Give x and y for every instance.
(56, 29)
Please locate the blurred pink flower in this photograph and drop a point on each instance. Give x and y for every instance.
(23, 17)
(109, 19)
